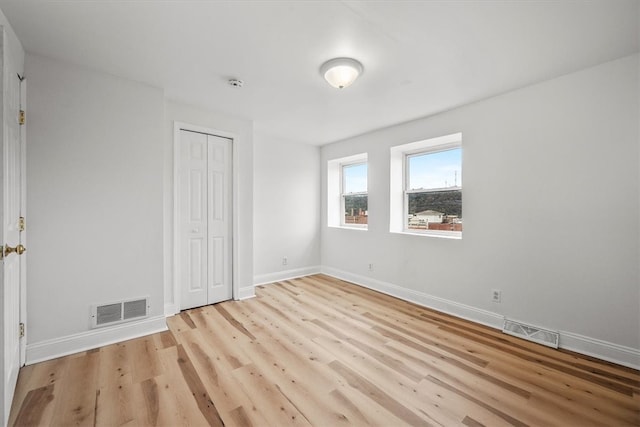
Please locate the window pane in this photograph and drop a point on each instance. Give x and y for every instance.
(438, 210)
(355, 178)
(439, 170)
(355, 209)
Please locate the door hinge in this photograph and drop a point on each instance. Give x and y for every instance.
(21, 224)
(21, 327)
(21, 117)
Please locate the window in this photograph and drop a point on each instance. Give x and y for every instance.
(433, 194)
(354, 194)
(426, 187)
(347, 201)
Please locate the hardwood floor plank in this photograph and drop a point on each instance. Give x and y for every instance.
(35, 403)
(75, 397)
(375, 393)
(115, 365)
(511, 420)
(205, 404)
(113, 406)
(217, 378)
(233, 321)
(470, 422)
(320, 351)
(144, 356)
(187, 319)
(151, 399)
(273, 406)
(239, 417)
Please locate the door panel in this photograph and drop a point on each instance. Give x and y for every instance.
(219, 219)
(193, 224)
(196, 181)
(197, 280)
(11, 207)
(205, 219)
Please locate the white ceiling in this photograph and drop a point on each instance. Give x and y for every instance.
(420, 58)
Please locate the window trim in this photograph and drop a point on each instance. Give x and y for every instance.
(406, 191)
(399, 183)
(335, 187)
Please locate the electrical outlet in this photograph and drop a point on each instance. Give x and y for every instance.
(370, 267)
(496, 295)
(285, 261)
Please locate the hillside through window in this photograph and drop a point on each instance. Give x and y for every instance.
(354, 194)
(433, 192)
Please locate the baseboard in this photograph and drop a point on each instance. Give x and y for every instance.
(246, 292)
(604, 350)
(626, 356)
(263, 279)
(170, 310)
(440, 304)
(51, 349)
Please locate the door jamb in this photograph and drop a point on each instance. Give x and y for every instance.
(177, 127)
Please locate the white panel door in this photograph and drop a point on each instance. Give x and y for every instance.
(219, 219)
(193, 219)
(205, 219)
(11, 204)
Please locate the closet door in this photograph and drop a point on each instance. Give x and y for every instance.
(219, 219)
(205, 219)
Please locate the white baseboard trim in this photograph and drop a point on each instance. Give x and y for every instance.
(246, 292)
(440, 304)
(170, 310)
(604, 350)
(626, 356)
(53, 348)
(263, 279)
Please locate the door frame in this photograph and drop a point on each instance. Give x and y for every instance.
(177, 127)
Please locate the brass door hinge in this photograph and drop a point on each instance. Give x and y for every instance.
(21, 224)
(21, 330)
(21, 117)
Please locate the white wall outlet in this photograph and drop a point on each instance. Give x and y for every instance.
(496, 295)
(370, 267)
(285, 261)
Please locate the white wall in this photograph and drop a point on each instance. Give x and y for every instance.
(95, 192)
(242, 131)
(543, 168)
(287, 209)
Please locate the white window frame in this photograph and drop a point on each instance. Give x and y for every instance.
(335, 193)
(399, 183)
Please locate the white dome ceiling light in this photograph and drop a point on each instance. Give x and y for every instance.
(341, 72)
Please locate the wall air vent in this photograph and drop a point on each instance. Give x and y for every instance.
(119, 312)
(531, 333)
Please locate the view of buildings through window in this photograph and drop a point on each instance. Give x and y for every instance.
(354, 193)
(434, 190)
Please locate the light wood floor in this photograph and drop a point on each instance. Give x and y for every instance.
(319, 351)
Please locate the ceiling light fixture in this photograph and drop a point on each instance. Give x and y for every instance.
(341, 72)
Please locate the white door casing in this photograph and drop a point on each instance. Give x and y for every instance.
(12, 200)
(204, 211)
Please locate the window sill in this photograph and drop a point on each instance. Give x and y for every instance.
(349, 227)
(455, 235)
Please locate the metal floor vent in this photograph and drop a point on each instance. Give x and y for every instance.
(118, 312)
(531, 333)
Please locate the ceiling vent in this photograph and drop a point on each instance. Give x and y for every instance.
(531, 333)
(119, 312)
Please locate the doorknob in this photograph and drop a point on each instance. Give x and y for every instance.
(18, 249)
